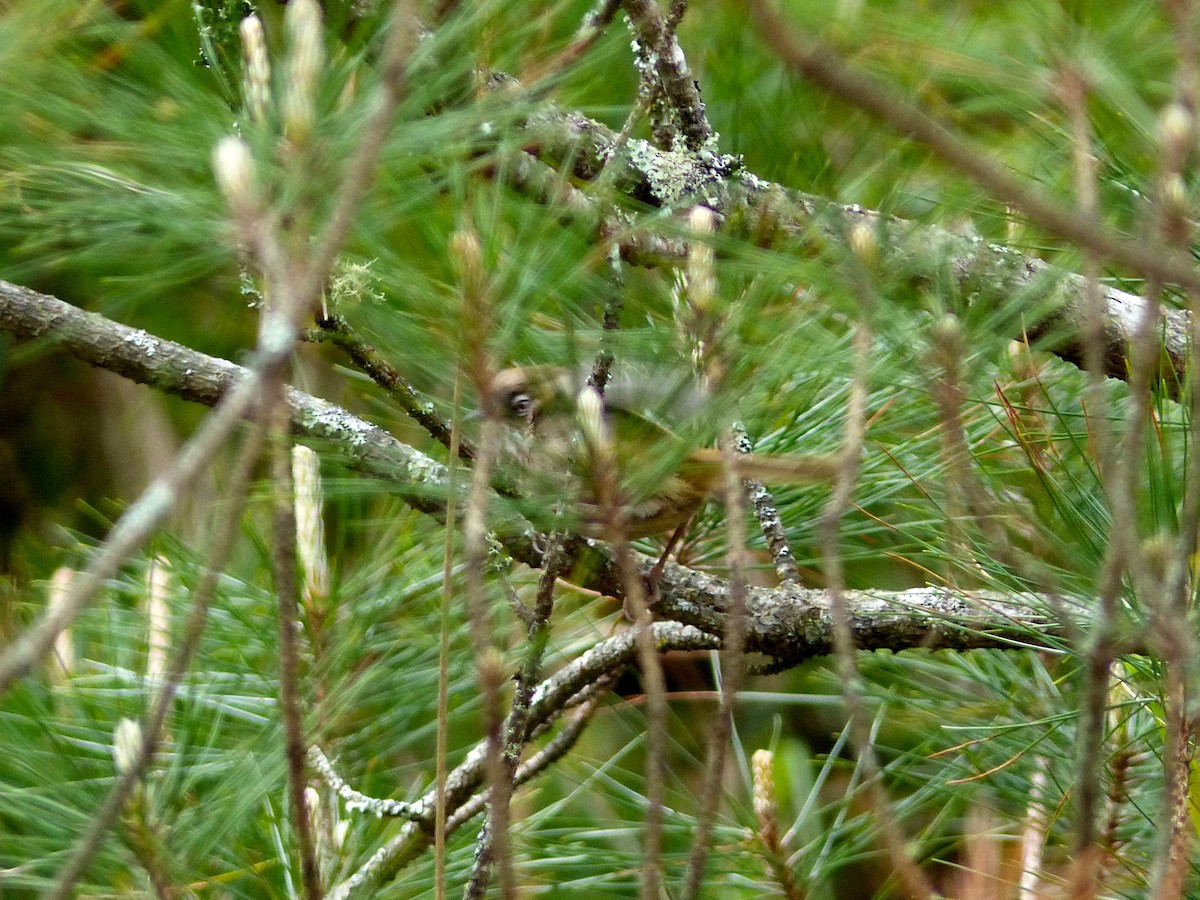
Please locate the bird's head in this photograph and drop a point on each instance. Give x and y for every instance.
(526, 394)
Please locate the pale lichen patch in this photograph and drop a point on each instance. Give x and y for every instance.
(678, 175)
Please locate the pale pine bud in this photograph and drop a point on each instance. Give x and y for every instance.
(466, 255)
(127, 745)
(762, 766)
(306, 54)
(312, 805)
(340, 830)
(701, 220)
(946, 335)
(234, 169)
(158, 619)
(62, 663)
(589, 411)
(864, 243)
(310, 529)
(257, 69)
(1012, 227)
(701, 273)
(1174, 194)
(762, 770)
(1175, 130)
(491, 666)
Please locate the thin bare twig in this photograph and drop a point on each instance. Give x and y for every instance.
(493, 846)
(702, 319)
(1088, 862)
(1171, 867)
(343, 336)
(821, 65)
(675, 15)
(604, 481)
(557, 562)
(654, 686)
(614, 300)
(769, 520)
(1121, 557)
(554, 750)
(1170, 609)
(418, 811)
(283, 563)
(912, 880)
(443, 701)
(540, 76)
(733, 671)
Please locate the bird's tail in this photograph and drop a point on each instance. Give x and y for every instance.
(782, 468)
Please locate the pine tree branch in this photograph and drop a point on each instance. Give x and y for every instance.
(552, 697)
(1056, 299)
(370, 361)
(821, 64)
(661, 61)
(182, 372)
(789, 622)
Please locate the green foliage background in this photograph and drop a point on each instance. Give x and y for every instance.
(107, 201)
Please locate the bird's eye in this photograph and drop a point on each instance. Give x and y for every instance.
(521, 404)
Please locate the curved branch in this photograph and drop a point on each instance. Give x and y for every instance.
(553, 696)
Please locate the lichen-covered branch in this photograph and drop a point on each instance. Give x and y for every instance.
(552, 697)
(178, 370)
(822, 65)
(337, 331)
(670, 179)
(675, 106)
(789, 622)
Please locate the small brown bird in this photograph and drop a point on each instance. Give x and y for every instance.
(572, 438)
